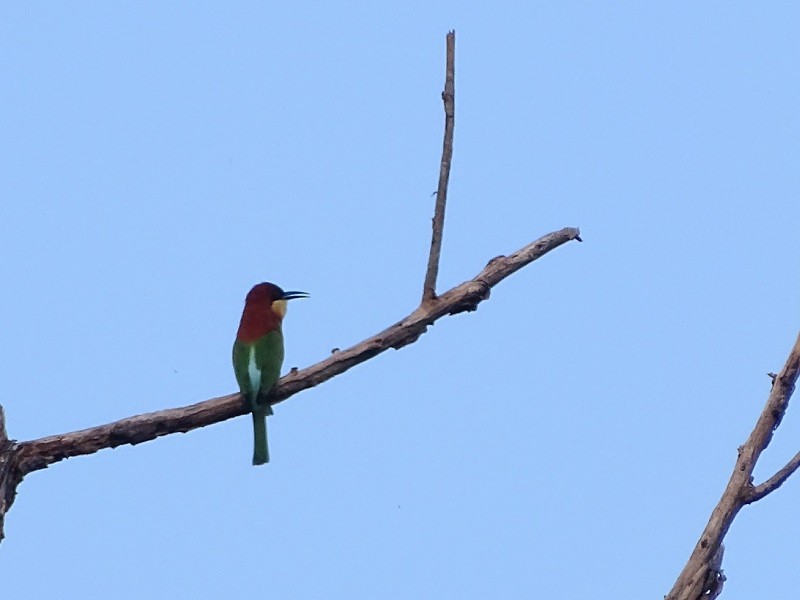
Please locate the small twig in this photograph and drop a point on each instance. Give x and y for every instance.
(774, 482)
(38, 454)
(739, 490)
(448, 97)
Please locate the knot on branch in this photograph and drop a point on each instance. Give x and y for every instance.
(476, 292)
(411, 337)
(499, 258)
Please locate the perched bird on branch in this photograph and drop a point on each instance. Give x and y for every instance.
(258, 355)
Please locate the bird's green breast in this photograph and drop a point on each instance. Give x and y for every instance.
(257, 365)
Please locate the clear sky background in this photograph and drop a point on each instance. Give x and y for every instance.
(569, 439)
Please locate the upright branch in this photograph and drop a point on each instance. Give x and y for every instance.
(449, 99)
(701, 571)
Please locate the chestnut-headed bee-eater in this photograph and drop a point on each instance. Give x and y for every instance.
(258, 355)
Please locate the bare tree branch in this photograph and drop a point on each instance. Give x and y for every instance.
(449, 98)
(38, 454)
(690, 584)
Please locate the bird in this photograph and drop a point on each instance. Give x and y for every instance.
(258, 355)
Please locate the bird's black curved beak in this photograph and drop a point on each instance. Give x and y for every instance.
(293, 295)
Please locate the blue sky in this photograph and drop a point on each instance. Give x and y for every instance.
(567, 439)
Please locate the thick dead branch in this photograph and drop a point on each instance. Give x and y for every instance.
(38, 454)
(449, 98)
(690, 584)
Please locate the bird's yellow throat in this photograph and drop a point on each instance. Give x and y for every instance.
(279, 307)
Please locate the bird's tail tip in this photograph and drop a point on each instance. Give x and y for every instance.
(260, 460)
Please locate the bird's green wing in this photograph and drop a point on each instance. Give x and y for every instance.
(269, 359)
(241, 358)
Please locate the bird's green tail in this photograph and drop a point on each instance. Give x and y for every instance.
(260, 450)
